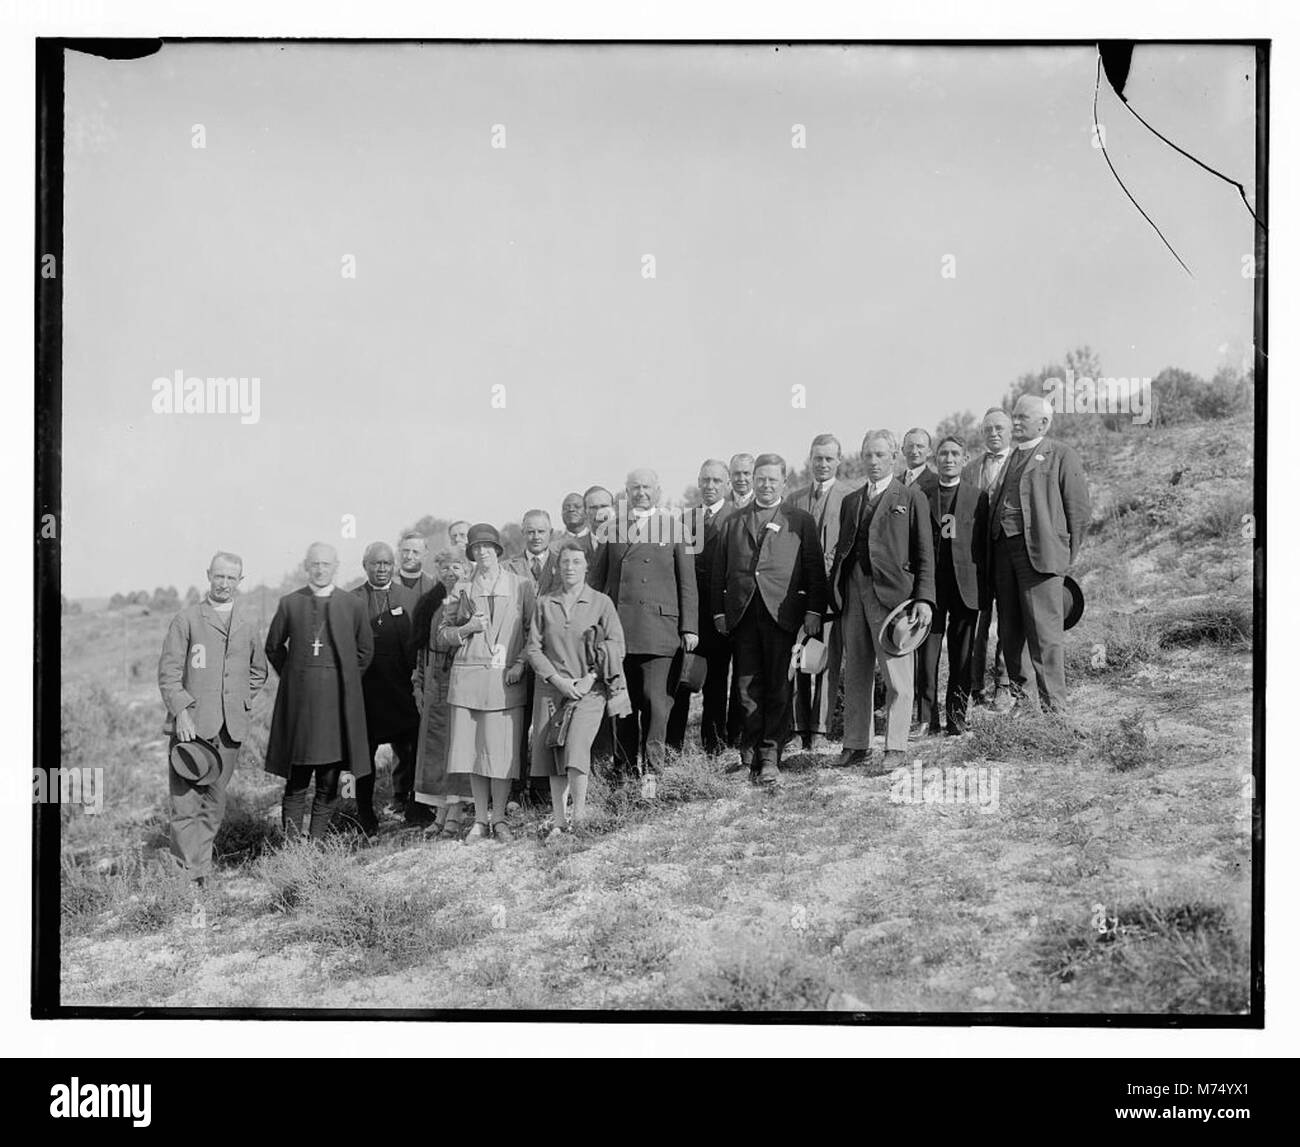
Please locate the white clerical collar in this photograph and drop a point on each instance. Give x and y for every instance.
(379, 588)
(1031, 443)
(329, 589)
(409, 576)
(582, 533)
(949, 485)
(221, 606)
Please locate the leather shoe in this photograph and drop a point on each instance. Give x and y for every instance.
(851, 757)
(893, 759)
(769, 774)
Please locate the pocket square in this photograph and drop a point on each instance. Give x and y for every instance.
(899, 510)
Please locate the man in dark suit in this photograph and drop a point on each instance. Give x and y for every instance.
(573, 516)
(320, 644)
(211, 668)
(411, 550)
(768, 586)
(885, 557)
(1037, 521)
(706, 522)
(953, 506)
(985, 473)
(814, 698)
(537, 562)
(917, 470)
(647, 571)
(391, 716)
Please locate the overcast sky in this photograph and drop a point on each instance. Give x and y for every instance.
(479, 266)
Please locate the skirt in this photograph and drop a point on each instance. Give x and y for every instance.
(485, 742)
(583, 727)
(434, 785)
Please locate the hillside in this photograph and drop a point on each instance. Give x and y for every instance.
(1105, 872)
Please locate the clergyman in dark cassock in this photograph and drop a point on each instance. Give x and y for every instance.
(954, 503)
(391, 716)
(320, 644)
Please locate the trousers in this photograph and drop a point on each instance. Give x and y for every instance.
(762, 660)
(197, 810)
(1031, 616)
(863, 617)
(325, 800)
(643, 734)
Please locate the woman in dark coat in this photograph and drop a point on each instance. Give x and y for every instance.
(433, 784)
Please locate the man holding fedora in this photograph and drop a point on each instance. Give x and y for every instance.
(714, 649)
(883, 574)
(768, 587)
(1037, 519)
(814, 698)
(211, 668)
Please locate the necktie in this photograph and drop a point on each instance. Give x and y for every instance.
(537, 570)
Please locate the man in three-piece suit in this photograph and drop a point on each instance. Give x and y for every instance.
(1037, 520)
(647, 571)
(211, 668)
(917, 450)
(320, 644)
(391, 716)
(985, 473)
(768, 585)
(953, 506)
(537, 562)
(412, 547)
(706, 522)
(814, 698)
(885, 557)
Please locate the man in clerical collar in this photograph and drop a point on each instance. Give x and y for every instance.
(412, 548)
(320, 643)
(211, 668)
(815, 697)
(954, 503)
(391, 716)
(917, 451)
(742, 479)
(985, 473)
(884, 558)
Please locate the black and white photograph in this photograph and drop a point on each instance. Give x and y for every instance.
(542, 529)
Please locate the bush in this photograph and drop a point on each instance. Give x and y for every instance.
(1130, 745)
(245, 833)
(1021, 734)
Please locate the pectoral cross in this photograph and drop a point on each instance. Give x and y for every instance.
(315, 648)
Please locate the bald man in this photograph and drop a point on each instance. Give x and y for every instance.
(1037, 519)
(211, 668)
(319, 644)
(648, 573)
(391, 716)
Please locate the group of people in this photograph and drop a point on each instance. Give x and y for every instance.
(492, 671)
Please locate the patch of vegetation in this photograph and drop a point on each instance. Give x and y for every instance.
(135, 893)
(245, 833)
(625, 937)
(1027, 735)
(1131, 744)
(749, 973)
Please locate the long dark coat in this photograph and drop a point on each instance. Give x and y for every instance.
(386, 683)
(288, 648)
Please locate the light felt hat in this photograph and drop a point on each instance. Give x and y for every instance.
(902, 631)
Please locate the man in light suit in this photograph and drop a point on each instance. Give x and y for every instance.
(885, 557)
(985, 472)
(1037, 520)
(708, 519)
(211, 668)
(814, 698)
(953, 506)
(537, 562)
(768, 586)
(391, 716)
(647, 571)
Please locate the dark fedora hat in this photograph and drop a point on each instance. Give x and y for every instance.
(198, 761)
(483, 532)
(687, 671)
(902, 631)
(1073, 602)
